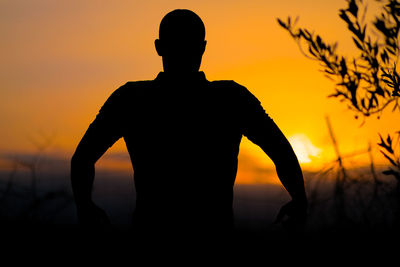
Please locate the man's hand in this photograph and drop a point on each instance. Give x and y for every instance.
(293, 215)
(90, 215)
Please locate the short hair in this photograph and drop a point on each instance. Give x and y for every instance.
(181, 22)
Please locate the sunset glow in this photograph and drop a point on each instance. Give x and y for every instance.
(304, 149)
(62, 59)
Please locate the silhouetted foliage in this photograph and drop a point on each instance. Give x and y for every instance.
(351, 198)
(389, 148)
(368, 82)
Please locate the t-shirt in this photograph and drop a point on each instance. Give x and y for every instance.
(183, 140)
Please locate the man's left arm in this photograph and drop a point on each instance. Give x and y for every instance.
(259, 128)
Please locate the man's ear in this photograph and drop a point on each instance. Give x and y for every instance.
(158, 47)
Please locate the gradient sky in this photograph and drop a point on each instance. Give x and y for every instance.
(60, 60)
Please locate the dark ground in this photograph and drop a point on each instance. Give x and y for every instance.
(46, 221)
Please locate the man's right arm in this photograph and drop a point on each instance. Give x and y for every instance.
(102, 133)
(90, 149)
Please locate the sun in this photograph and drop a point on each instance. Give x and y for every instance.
(303, 148)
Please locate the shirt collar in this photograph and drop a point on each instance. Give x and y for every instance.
(196, 77)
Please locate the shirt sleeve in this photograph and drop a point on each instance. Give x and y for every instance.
(107, 127)
(257, 125)
(111, 114)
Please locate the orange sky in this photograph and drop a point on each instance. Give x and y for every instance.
(61, 59)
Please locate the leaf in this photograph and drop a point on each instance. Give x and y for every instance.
(389, 158)
(383, 144)
(381, 26)
(384, 56)
(329, 72)
(311, 51)
(375, 99)
(343, 70)
(371, 102)
(391, 172)
(353, 8)
(314, 46)
(320, 43)
(358, 44)
(307, 32)
(363, 32)
(391, 51)
(389, 140)
(282, 23)
(343, 15)
(351, 27)
(337, 94)
(296, 20)
(334, 46)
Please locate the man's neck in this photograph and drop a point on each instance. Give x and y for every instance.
(182, 77)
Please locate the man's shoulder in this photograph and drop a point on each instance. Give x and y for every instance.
(233, 88)
(131, 87)
(226, 84)
(124, 93)
(228, 88)
(139, 83)
(135, 85)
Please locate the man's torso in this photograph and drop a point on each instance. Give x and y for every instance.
(183, 140)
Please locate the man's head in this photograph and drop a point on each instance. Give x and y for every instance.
(181, 41)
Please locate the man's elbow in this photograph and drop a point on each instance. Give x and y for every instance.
(286, 160)
(81, 166)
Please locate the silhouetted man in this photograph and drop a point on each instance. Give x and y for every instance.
(182, 133)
